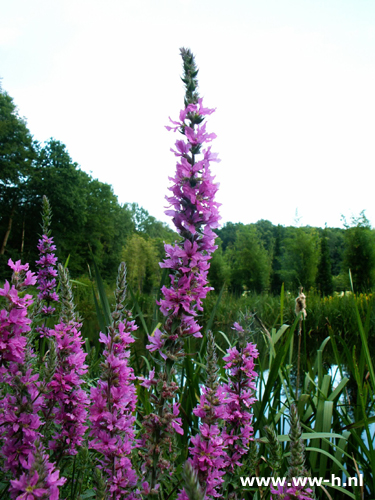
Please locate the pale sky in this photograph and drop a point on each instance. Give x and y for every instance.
(292, 81)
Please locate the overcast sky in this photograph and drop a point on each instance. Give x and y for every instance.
(293, 82)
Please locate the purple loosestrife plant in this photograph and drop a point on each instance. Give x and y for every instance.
(114, 402)
(47, 272)
(21, 405)
(195, 215)
(208, 454)
(239, 396)
(41, 481)
(67, 402)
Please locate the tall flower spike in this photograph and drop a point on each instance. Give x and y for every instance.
(47, 273)
(68, 314)
(208, 457)
(195, 214)
(20, 409)
(67, 402)
(114, 401)
(240, 396)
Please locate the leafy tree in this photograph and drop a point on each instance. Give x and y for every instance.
(276, 281)
(141, 259)
(336, 243)
(17, 153)
(107, 227)
(59, 178)
(300, 257)
(219, 273)
(146, 224)
(228, 233)
(266, 232)
(249, 262)
(324, 282)
(359, 255)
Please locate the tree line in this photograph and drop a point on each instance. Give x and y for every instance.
(89, 221)
(260, 257)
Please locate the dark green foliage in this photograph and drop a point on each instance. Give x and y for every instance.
(300, 257)
(228, 233)
(249, 262)
(359, 255)
(276, 280)
(17, 154)
(219, 273)
(146, 225)
(324, 282)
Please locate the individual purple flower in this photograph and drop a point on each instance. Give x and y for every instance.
(237, 327)
(114, 401)
(150, 381)
(156, 343)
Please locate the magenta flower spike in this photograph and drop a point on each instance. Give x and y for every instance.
(208, 455)
(47, 272)
(67, 402)
(239, 398)
(114, 401)
(194, 212)
(21, 406)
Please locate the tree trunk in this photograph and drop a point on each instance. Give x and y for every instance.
(5, 241)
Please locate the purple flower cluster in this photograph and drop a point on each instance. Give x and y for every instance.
(294, 492)
(225, 431)
(47, 273)
(195, 215)
(208, 453)
(41, 481)
(113, 403)
(209, 458)
(14, 323)
(21, 406)
(239, 398)
(67, 402)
